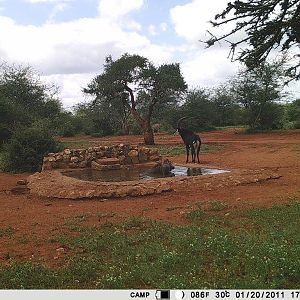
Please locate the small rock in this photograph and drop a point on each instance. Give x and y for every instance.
(133, 153)
(59, 157)
(61, 249)
(22, 182)
(67, 151)
(108, 161)
(74, 159)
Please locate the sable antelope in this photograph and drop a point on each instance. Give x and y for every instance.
(191, 141)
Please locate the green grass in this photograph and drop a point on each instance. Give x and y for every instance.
(216, 205)
(258, 249)
(8, 231)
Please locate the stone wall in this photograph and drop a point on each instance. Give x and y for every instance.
(100, 157)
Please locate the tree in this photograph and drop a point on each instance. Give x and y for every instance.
(199, 107)
(24, 100)
(266, 25)
(140, 86)
(293, 113)
(226, 110)
(101, 117)
(259, 92)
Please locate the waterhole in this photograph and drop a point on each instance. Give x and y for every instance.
(132, 174)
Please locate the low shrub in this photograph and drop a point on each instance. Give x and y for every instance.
(68, 130)
(26, 149)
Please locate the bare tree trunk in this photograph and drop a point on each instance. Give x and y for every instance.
(144, 122)
(148, 133)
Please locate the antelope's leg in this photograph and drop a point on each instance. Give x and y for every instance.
(198, 151)
(187, 152)
(193, 153)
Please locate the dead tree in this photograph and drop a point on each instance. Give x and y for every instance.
(191, 140)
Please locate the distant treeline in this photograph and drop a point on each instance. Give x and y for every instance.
(27, 106)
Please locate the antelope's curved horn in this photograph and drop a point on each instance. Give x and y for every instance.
(180, 120)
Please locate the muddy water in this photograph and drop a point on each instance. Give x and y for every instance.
(130, 174)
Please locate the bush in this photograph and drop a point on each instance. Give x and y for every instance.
(5, 133)
(26, 149)
(68, 130)
(135, 128)
(293, 113)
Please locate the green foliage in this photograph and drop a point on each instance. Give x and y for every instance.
(134, 127)
(263, 30)
(200, 109)
(100, 117)
(259, 92)
(5, 133)
(69, 125)
(26, 149)
(226, 110)
(293, 113)
(25, 101)
(132, 84)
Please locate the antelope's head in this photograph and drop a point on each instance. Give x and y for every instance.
(179, 125)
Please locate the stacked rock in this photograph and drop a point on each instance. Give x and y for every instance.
(116, 155)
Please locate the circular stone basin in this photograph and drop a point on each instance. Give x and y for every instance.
(134, 174)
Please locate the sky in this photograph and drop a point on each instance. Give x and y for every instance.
(66, 41)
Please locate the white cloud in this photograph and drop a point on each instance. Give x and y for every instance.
(70, 47)
(71, 86)
(156, 30)
(163, 26)
(129, 24)
(152, 30)
(70, 52)
(201, 67)
(208, 68)
(56, 10)
(114, 9)
(191, 21)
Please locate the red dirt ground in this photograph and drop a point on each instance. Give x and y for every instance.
(29, 224)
